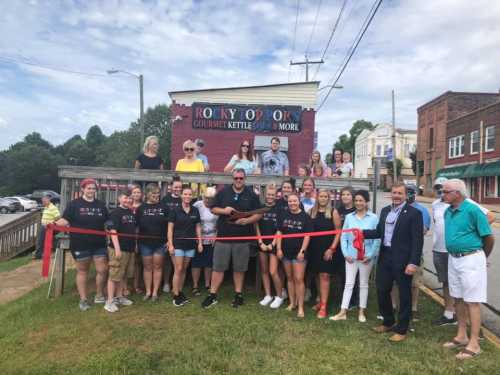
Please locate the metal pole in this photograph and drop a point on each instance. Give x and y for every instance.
(141, 105)
(307, 69)
(376, 177)
(394, 162)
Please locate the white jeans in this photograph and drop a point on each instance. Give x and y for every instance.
(351, 270)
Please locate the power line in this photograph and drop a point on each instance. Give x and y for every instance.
(294, 36)
(314, 26)
(27, 61)
(331, 36)
(353, 49)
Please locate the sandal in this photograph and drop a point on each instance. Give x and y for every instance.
(454, 344)
(291, 307)
(322, 314)
(316, 307)
(465, 354)
(300, 315)
(196, 292)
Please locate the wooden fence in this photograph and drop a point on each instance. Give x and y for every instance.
(19, 235)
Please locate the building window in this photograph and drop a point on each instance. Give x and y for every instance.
(474, 142)
(490, 185)
(386, 149)
(489, 139)
(456, 147)
(431, 138)
(379, 150)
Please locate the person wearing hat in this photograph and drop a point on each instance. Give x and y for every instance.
(87, 212)
(200, 144)
(50, 214)
(439, 251)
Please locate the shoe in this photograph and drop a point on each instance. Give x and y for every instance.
(184, 298)
(380, 317)
(178, 301)
(322, 313)
(397, 338)
(196, 292)
(316, 307)
(154, 299)
(237, 300)
(123, 301)
(339, 316)
(383, 329)
(444, 321)
(284, 294)
(266, 301)
(146, 297)
(362, 318)
(99, 299)
(166, 288)
(83, 305)
(210, 301)
(307, 295)
(110, 307)
(277, 302)
(415, 316)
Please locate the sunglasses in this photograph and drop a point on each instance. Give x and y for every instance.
(189, 149)
(448, 191)
(238, 178)
(245, 145)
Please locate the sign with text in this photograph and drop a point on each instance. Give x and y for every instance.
(254, 118)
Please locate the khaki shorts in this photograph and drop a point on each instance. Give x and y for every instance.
(418, 277)
(120, 268)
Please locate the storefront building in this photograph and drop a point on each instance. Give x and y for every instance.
(225, 117)
(473, 153)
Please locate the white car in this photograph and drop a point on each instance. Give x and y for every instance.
(28, 204)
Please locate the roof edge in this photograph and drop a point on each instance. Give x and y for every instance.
(449, 93)
(475, 111)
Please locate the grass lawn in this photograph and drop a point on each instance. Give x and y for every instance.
(38, 336)
(14, 263)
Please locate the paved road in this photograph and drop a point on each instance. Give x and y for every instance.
(7, 218)
(491, 318)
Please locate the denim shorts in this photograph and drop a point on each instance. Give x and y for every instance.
(184, 253)
(147, 251)
(90, 253)
(294, 260)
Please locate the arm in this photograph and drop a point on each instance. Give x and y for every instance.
(416, 243)
(62, 222)
(222, 211)
(262, 246)
(378, 232)
(335, 243)
(116, 243)
(198, 234)
(137, 164)
(170, 238)
(488, 243)
(491, 217)
(249, 220)
(286, 167)
(303, 248)
(229, 167)
(279, 250)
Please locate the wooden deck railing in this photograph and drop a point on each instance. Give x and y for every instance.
(19, 235)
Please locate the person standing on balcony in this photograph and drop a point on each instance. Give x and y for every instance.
(149, 158)
(200, 144)
(190, 163)
(244, 159)
(50, 214)
(274, 162)
(87, 212)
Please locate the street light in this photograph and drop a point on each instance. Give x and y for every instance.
(141, 99)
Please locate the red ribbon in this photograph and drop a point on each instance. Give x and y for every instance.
(358, 242)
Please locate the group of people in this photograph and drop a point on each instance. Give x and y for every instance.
(156, 240)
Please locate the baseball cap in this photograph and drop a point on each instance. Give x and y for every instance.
(440, 181)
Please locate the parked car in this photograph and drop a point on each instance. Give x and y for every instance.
(18, 206)
(7, 206)
(38, 194)
(27, 204)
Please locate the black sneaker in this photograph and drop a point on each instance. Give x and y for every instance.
(210, 301)
(444, 321)
(238, 300)
(184, 298)
(178, 301)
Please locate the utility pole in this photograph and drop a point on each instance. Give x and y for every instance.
(307, 62)
(394, 162)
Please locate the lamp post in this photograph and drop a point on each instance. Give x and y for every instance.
(141, 99)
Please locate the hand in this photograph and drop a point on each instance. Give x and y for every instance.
(118, 253)
(328, 255)
(228, 210)
(279, 254)
(242, 221)
(349, 260)
(366, 260)
(270, 247)
(300, 256)
(171, 249)
(410, 269)
(200, 247)
(262, 246)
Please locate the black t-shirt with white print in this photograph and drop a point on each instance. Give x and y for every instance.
(290, 223)
(268, 225)
(152, 220)
(86, 215)
(123, 221)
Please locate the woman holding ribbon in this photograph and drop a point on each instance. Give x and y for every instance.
(324, 218)
(361, 219)
(87, 213)
(292, 251)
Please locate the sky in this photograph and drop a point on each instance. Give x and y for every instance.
(418, 48)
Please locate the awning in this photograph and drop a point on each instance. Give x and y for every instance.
(490, 169)
(474, 170)
(452, 172)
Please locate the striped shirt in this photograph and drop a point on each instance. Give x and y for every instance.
(50, 214)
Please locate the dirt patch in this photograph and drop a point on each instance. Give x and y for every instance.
(16, 283)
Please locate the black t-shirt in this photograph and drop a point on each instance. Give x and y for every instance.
(184, 226)
(268, 225)
(87, 215)
(290, 223)
(152, 220)
(123, 221)
(343, 212)
(171, 202)
(282, 205)
(148, 162)
(244, 201)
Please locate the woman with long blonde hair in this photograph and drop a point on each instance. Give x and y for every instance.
(149, 158)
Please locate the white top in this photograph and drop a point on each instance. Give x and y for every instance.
(438, 209)
(208, 221)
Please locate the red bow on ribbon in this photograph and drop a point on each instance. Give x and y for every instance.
(359, 243)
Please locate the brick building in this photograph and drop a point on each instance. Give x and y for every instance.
(433, 117)
(473, 152)
(225, 117)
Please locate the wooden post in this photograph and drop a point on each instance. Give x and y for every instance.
(60, 264)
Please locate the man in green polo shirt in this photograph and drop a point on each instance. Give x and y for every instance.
(469, 241)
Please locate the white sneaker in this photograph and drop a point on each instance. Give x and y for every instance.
(276, 303)
(284, 294)
(110, 307)
(266, 301)
(124, 301)
(100, 299)
(166, 288)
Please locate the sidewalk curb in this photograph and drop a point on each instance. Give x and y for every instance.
(494, 339)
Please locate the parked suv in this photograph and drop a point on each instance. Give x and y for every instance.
(38, 194)
(7, 206)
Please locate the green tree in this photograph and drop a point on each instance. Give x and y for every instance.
(95, 137)
(79, 153)
(413, 157)
(347, 142)
(120, 150)
(390, 167)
